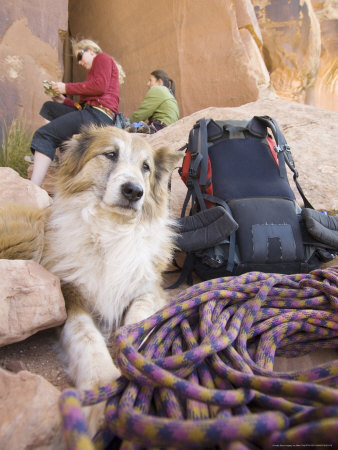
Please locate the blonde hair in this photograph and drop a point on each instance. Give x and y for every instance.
(122, 74)
(91, 45)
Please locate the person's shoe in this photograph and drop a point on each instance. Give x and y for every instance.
(29, 159)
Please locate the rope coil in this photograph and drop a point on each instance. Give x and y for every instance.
(203, 377)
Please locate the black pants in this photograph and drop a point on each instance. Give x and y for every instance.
(64, 122)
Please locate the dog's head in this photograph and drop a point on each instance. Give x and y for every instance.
(121, 169)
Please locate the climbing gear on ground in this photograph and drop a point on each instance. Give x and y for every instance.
(200, 372)
(322, 227)
(240, 166)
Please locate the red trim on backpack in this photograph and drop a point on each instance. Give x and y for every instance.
(185, 171)
(272, 145)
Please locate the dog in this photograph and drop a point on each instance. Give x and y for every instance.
(108, 236)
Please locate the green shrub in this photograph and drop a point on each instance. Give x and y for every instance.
(16, 140)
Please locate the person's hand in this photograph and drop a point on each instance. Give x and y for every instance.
(59, 98)
(59, 88)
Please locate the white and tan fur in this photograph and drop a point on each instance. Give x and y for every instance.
(108, 238)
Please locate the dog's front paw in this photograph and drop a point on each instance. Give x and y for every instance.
(94, 414)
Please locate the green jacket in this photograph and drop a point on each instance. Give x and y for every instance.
(158, 104)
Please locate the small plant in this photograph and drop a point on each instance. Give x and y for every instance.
(16, 140)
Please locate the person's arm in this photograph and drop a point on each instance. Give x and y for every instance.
(98, 78)
(149, 105)
(59, 87)
(68, 101)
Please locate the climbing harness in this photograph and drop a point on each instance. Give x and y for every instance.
(199, 373)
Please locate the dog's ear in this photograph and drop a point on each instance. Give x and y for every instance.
(75, 156)
(75, 149)
(166, 159)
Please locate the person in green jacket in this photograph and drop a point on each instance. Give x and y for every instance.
(159, 107)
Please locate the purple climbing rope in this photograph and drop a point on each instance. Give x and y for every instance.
(204, 378)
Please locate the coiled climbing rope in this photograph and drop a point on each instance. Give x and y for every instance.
(199, 374)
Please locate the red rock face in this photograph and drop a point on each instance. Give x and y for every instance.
(300, 48)
(31, 50)
(291, 45)
(214, 49)
(199, 43)
(325, 89)
(219, 52)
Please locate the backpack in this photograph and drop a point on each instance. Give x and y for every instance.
(243, 213)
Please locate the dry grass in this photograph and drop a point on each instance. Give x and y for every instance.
(15, 145)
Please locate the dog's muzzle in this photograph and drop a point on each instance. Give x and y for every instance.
(132, 192)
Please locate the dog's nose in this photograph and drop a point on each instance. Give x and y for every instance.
(132, 191)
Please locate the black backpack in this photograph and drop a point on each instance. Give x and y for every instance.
(243, 213)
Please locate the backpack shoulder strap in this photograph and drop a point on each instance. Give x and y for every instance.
(198, 168)
(283, 152)
(203, 149)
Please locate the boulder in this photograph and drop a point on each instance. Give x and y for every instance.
(29, 412)
(14, 188)
(30, 300)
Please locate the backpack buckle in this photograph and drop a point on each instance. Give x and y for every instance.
(189, 183)
(283, 148)
(289, 157)
(192, 173)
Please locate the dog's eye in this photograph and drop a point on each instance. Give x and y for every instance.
(146, 167)
(113, 155)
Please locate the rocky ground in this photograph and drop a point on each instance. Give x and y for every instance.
(39, 353)
(310, 132)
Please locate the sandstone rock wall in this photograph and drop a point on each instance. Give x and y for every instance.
(32, 35)
(209, 48)
(300, 48)
(291, 45)
(219, 52)
(326, 86)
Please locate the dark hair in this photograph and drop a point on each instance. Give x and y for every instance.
(167, 82)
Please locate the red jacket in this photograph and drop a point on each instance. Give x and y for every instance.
(101, 86)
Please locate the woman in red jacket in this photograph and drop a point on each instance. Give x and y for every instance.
(99, 101)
